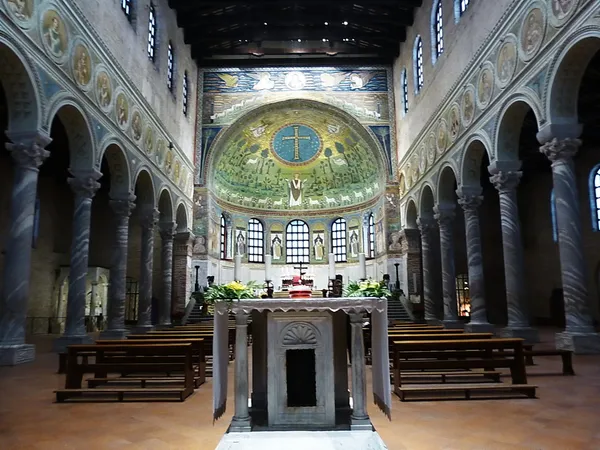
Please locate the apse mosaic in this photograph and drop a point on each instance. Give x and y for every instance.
(296, 156)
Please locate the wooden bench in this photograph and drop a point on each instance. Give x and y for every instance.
(125, 359)
(466, 354)
(199, 359)
(566, 357)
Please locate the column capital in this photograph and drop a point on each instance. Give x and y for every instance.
(167, 230)
(28, 151)
(149, 218)
(470, 202)
(241, 318)
(444, 214)
(357, 318)
(506, 181)
(558, 150)
(85, 183)
(184, 236)
(123, 206)
(425, 225)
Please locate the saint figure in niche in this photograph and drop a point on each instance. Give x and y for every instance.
(319, 248)
(240, 243)
(276, 247)
(354, 243)
(296, 185)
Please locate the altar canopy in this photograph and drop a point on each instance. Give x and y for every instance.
(353, 306)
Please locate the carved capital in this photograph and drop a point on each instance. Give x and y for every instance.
(444, 214)
(149, 218)
(167, 230)
(241, 319)
(357, 318)
(470, 203)
(506, 181)
(560, 149)
(85, 184)
(425, 225)
(123, 207)
(28, 155)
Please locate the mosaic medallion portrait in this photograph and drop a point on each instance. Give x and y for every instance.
(103, 90)
(506, 62)
(82, 65)
(54, 34)
(532, 32)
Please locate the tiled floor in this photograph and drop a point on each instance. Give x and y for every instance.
(566, 416)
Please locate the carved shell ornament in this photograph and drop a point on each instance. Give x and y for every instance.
(300, 333)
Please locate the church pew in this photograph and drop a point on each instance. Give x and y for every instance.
(199, 359)
(443, 355)
(149, 358)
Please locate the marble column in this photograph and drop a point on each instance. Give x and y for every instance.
(84, 186)
(28, 156)
(148, 221)
(470, 204)
(426, 228)
(359, 419)
(579, 335)
(241, 418)
(118, 270)
(518, 315)
(444, 214)
(182, 272)
(167, 233)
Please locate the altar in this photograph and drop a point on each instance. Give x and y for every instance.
(299, 366)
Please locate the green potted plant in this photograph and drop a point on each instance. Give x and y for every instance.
(231, 291)
(367, 288)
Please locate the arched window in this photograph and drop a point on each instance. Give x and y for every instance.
(460, 6)
(338, 240)
(595, 197)
(553, 216)
(437, 31)
(170, 66)
(126, 6)
(185, 93)
(223, 237)
(404, 86)
(152, 32)
(418, 64)
(297, 242)
(463, 298)
(371, 236)
(256, 241)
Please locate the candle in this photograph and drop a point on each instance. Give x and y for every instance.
(237, 268)
(331, 266)
(362, 265)
(268, 259)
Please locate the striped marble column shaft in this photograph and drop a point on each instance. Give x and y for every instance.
(570, 242)
(118, 270)
(167, 233)
(241, 385)
(470, 204)
(358, 369)
(84, 186)
(506, 183)
(445, 217)
(148, 223)
(28, 157)
(426, 229)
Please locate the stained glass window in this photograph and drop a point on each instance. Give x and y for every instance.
(418, 64)
(185, 93)
(152, 32)
(439, 29)
(170, 66)
(297, 242)
(338, 240)
(256, 241)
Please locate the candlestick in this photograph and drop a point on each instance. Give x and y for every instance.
(362, 265)
(268, 259)
(331, 266)
(237, 268)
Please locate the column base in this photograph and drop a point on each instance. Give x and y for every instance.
(113, 334)
(531, 335)
(142, 329)
(12, 355)
(240, 425)
(453, 324)
(360, 424)
(60, 344)
(479, 328)
(579, 343)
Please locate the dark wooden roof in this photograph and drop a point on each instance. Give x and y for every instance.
(281, 31)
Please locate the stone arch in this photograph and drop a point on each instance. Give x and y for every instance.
(181, 218)
(165, 205)
(475, 149)
(411, 214)
(446, 185)
(564, 83)
(79, 131)
(120, 178)
(20, 83)
(510, 124)
(427, 201)
(144, 188)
